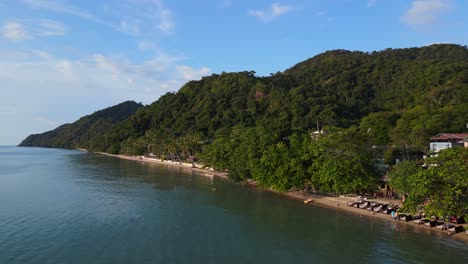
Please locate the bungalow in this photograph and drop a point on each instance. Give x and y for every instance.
(447, 140)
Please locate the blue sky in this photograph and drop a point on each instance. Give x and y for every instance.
(62, 59)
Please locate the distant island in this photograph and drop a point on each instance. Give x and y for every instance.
(322, 123)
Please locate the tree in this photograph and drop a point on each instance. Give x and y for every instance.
(448, 182)
(377, 125)
(401, 179)
(342, 162)
(441, 189)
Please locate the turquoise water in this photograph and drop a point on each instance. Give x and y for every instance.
(63, 206)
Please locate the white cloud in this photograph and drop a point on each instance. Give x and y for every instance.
(275, 11)
(425, 12)
(96, 75)
(154, 12)
(41, 54)
(130, 27)
(15, 31)
(51, 28)
(188, 73)
(166, 23)
(60, 7)
(44, 87)
(279, 9)
(30, 29)
(129, 16)
(65, 69)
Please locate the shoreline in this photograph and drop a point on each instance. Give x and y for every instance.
(187, 166)
(336, 203)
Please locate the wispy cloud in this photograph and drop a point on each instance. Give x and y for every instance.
(130, 16)
(166, 22)
(270, 14)
(130, 27)
(15, 31)
(79, 86)
(154, 12)
(49, 27)
(60, 7)
(425, 12)
(188, 73)
(96, 75)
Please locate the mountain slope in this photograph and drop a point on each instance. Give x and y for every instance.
(262, 128)
(80, 133)
(402, 95)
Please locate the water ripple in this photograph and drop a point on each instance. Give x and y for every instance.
(71, 207)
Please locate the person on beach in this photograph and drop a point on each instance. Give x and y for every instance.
(393, 214)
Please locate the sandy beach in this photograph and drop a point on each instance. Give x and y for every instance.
(338, 203)
(182, 165)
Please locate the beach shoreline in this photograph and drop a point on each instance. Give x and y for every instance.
(337, 203)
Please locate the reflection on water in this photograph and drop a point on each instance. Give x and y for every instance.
(61, 206)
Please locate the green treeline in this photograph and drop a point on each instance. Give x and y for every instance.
(262, 128)
(85, 131)
(441, 189)
(339, 161)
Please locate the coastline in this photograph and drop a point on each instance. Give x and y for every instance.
(186, 166)
(337, 203)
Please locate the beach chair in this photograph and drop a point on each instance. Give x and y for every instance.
(406, 217)
(364, 205)
(455, 229)
(430, 223)
(442, 225)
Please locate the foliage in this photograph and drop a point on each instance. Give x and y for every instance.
(401, 175)
(339, 161)
(84, 132)
(343, 163)
(377, 125)
(441, 189)
(400, 96)
(259, 127)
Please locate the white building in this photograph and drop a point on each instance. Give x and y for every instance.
(446, 140)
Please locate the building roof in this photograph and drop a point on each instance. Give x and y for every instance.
(449, 136)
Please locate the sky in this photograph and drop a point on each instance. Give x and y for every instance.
(63, 59)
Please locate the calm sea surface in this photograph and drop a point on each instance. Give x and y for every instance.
(63, 206)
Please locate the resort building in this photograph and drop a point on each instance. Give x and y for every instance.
(447, 140)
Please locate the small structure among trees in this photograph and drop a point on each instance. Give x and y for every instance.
(447, 140)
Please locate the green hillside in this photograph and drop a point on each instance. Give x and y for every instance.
(402, 96)
(83, 132)
(262, 128)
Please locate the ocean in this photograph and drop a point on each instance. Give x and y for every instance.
(68, 206)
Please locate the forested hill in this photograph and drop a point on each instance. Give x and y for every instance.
(400, 96)
(262, 127)
(84, 131)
